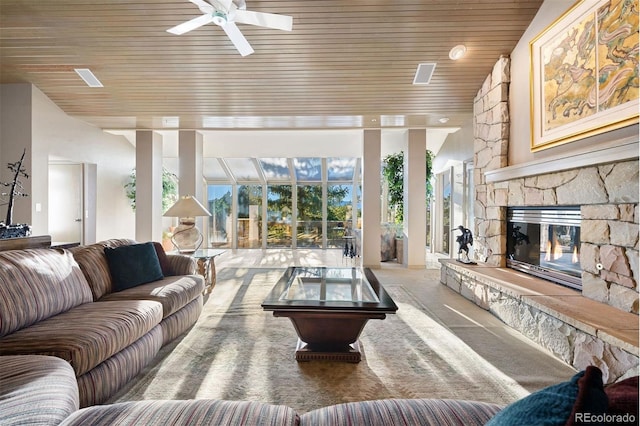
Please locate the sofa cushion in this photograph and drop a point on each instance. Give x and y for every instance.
(554, 404)
(102, 382)
(36, 284)
(163, 259)
(402, 412)
(36, 390)
(133, 265)
(193, 412)
(94, 266)
(172, 292)
(88, 334)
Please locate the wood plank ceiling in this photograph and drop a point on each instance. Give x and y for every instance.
(345, 64)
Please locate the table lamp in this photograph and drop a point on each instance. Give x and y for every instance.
(187, 238)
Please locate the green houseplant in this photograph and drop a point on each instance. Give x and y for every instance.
(169, 189)
(393, 174)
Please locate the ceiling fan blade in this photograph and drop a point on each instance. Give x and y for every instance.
(191, 25)
(269, 20)
(226, 4)
(205, 7)
(237, 39)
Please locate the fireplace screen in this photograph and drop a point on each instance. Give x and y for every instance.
(545, 242)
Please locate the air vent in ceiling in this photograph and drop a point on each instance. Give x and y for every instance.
(88, 77)
(424, 73)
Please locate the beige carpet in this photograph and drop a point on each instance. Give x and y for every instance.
(238, 351)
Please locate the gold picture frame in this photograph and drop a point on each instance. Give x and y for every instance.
(584, 73)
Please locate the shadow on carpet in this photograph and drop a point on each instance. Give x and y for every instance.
(237, 351)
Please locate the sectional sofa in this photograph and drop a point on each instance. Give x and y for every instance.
(64, 303)
(42, 390)
(72, 334)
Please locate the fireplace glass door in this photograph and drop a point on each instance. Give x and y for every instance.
(545, 243)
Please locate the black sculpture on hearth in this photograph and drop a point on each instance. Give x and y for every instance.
(464, 241)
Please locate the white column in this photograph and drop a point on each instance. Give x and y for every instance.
(148, 186)
(415, 212)
(371, 152)
(190, 174)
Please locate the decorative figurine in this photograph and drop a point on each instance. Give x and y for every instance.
(464, 241)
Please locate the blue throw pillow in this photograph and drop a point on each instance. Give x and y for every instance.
(133, 265)
(553, 405)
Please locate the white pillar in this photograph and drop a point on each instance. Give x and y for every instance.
(190, 174)
(415, 210)
(371, 152)
(148, 186)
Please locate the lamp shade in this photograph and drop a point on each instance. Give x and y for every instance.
(187, 207)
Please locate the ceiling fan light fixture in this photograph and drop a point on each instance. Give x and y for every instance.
(457, 52)
(219, 18)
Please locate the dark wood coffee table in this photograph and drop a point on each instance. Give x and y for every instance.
(329, 307)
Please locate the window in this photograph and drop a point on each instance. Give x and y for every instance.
(279, 208)
(220, 229)
(249, 216)
(309, 220)
(339, 213)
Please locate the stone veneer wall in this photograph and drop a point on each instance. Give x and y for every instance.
(606, 193)
(491, 145)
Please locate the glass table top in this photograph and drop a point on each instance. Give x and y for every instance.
(329, 284)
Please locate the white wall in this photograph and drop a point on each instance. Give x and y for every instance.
(519, 98)
(15, 135)
(56, 136)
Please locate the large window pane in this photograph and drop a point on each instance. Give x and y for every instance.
(309, 232)
(340, 169)
(279, 204)
(249, 216)
(308, 169)
(220, 229)
(446, 211)
(339, 214)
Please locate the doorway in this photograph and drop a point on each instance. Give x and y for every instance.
(66, 203)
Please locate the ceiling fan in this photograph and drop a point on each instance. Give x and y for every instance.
(225, 14)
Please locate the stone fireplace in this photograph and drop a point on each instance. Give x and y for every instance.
(593, 318)
(603, 185)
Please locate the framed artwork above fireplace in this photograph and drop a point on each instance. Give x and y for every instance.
(584, 78)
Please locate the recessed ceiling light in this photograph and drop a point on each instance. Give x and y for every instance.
(88, 77)
(457, 52)
(444, 120)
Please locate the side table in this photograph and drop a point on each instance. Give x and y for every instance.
(207, 265)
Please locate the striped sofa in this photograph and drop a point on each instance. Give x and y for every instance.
(60, 303)
(40, 390)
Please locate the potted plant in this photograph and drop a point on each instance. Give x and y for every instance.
(7, 229)
(393, 174)
(169, 197)
(169, 189)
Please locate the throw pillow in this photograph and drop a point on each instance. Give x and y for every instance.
(132, 265)
(623, 400)
(552, 405)
(591, 400)
(163, 259)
